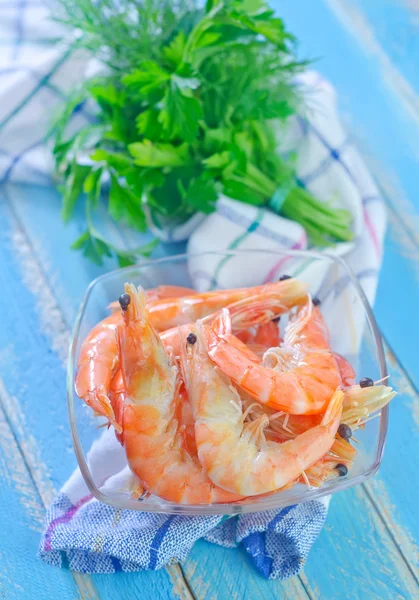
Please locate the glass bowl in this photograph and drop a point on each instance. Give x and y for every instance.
(354, 334)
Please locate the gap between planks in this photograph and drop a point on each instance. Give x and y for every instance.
(45, 491)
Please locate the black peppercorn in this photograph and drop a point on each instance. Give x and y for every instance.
(191, 339)
(284, 277)
(315, 301)
(345, 432)
(366, 382)
(276, 320)
(342, 470)
(124, 301)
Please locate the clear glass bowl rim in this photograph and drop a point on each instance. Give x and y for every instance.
(270, 502)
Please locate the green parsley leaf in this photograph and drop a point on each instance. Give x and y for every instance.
(174, 51)
(123, 204)
(92, 185)
(218, 160)
(92, 247)
(117, 161)
(146, 79)
(73, 189)
(182, 112)
(202, 194)
(148, 124)
(147, 154)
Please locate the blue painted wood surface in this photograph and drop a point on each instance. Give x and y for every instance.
(369, 546)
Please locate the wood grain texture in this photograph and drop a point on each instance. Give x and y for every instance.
(231, 574)
(394, 25)
(22, 577)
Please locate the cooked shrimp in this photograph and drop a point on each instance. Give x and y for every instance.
(162, 292)
(171, 312)
(97, 364)
(153, 443)
(300, 377)
(237, 457)
(99, 361)
(252, 312)
(117, 395)
(359, 405)
(159, 293)
(103, 364)
(342, 452)
(184, 416)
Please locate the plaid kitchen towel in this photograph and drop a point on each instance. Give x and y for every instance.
(88, 536)
(36, 74)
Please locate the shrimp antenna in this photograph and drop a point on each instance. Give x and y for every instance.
(136, 305)
(183, 357)
(295, 327)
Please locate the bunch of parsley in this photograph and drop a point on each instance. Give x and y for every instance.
(186, 111)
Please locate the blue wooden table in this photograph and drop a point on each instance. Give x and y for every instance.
(369, 547)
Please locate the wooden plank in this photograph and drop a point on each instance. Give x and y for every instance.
(215, 572)
(395, 493)
(391, 29)
(32, 342)
(398, 294)
(22, 575)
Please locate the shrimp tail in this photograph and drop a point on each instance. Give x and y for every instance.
(100, 403)
(360, 403)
